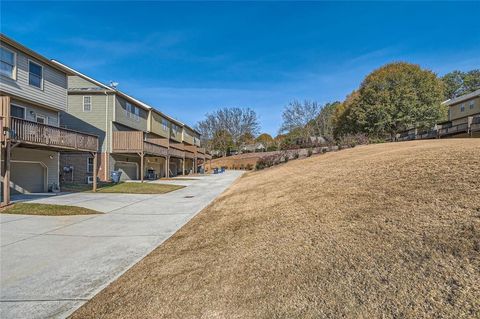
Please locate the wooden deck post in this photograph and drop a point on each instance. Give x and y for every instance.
(6, 173)
(95, 154)
(141, 167)
(166, 167)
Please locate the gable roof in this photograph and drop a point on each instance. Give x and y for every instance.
(122, 94)
(39, 57)
(462, 98)
(106, 87)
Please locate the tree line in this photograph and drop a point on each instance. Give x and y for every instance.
(391, 99)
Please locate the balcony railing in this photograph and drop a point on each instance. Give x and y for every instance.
(133, 142)
(176, 153)
(37, 134)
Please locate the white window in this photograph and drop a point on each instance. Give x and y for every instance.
(90, 165)
(472, 104)
(87, 103)
(35, 74)
(462, 108)
(133, 112)
(17, 111)
(7, 63)
(164, 124)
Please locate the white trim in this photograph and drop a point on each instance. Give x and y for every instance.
(83, 103)
(42, 80)
(14, 72)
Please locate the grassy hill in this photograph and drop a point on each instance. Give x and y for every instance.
(388, 230)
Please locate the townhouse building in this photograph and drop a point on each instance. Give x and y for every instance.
(33, 93)
(463, 115)
(134, 138)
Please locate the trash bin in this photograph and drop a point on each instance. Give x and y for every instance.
(215, 170)
(115, 175)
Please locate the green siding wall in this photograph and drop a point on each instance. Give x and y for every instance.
(97, 121)
(76, 82)
(122, 118)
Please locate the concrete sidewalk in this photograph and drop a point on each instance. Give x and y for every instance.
(50, 266)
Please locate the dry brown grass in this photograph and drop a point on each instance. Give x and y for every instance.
(46, 210)
(381, 231)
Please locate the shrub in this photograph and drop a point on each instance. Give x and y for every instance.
(352, 140)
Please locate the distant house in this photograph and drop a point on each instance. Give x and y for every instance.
(252, 148)
(463, 120)
(463, 107)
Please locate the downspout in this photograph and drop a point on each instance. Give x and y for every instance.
(105, 156)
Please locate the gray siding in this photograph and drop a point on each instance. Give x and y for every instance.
(54, 92)
(32, 111)
(121, 115)
(97, 121)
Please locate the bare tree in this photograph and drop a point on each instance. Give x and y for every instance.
(225, 127)
(301, 118)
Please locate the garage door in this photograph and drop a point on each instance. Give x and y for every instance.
(27, 177)
(129, 170)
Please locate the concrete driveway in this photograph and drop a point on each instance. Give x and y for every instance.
(50, 266)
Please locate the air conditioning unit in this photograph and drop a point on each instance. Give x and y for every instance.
(89, 179)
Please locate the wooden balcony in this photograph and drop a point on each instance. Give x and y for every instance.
(134, 142)
(36, 135)
(190, 148)
(175, 152)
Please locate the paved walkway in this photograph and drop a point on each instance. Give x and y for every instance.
(50, 266)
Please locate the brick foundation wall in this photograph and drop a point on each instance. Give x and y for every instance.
(79, 163)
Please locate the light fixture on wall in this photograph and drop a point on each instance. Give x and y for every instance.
(32, 113)
(51, 156)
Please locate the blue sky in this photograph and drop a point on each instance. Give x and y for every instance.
(188, 59)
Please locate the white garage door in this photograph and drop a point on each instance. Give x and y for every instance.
(129, 170)
(27, 177)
